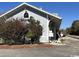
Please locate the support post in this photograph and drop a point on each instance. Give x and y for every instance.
(54, 33)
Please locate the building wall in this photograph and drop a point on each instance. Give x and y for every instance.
(43, 21)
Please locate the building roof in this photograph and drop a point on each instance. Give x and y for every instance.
(31, 8)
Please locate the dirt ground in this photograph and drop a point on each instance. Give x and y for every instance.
(26, 46)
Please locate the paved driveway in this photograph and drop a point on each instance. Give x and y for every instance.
(71, 49)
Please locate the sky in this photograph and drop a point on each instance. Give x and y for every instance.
(68, 11)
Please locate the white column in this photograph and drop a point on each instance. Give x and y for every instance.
(47, 28)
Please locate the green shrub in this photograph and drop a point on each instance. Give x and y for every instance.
(29, 34)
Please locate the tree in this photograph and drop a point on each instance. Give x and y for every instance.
(35, 30)
(67, 31)
(13, 31)
(75, 28)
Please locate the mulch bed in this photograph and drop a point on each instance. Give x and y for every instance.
(26, 46)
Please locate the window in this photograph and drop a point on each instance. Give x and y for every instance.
(26, 14)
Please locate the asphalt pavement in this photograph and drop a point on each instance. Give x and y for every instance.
(71, 49)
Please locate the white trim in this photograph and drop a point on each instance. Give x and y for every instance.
(11, 10)
(42, 10)
(33, 7)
